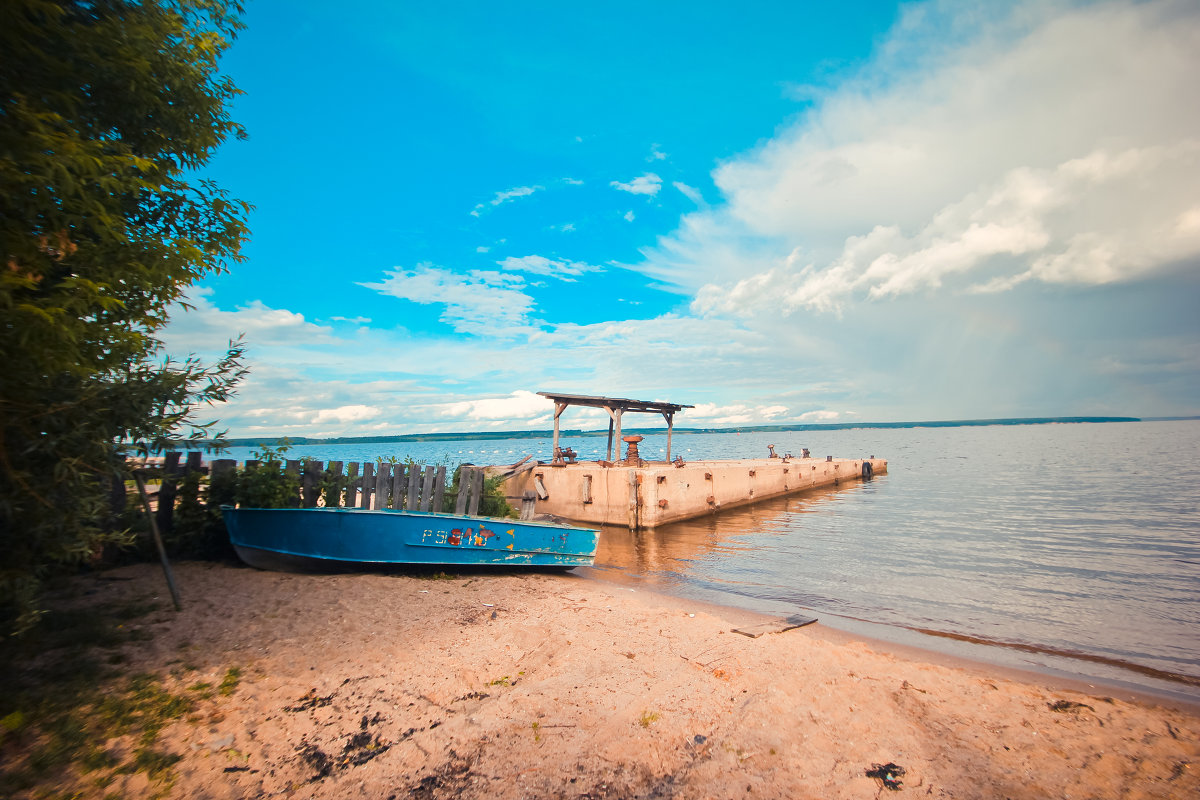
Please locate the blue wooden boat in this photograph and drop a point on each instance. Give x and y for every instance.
(269, 538)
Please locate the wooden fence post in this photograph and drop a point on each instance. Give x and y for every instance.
(352, 484)
(219, 467)
(383, 482)
(189, 492)
(439, 489)
(427, 489)
(310, 483)
(117, 498)
(464, 489)
(368, 484)
(414, 486)
(334, 471)
(398, 486)
(292, 467)
(166, 494)
(476, 491)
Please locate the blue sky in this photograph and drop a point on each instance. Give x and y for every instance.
(777, 212)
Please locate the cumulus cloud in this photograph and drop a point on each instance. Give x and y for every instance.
(482, 301)
(986, 146)
(540, 265)
(205, 328)
(519, 406)
(647, 184)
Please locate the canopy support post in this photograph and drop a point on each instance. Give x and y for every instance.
(670, 417)
(559, 408)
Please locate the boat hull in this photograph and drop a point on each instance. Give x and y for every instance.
(273, 538)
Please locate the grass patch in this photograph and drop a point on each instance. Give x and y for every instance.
(648, 718)
(71, 720)
(229, 683)
(437, 576)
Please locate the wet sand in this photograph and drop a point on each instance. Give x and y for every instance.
(552, 685)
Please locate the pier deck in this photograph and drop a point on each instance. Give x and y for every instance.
(656, 493)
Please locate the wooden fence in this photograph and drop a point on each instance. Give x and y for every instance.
(366, 485)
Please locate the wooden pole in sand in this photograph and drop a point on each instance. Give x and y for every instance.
(158, 542)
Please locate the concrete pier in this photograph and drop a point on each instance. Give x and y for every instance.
(650, 494)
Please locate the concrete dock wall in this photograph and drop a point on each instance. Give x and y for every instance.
(657, 493)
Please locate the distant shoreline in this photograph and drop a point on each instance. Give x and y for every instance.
(246, 441)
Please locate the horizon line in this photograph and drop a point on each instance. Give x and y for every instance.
(237, 441)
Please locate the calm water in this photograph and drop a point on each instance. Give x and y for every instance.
(1074, 547)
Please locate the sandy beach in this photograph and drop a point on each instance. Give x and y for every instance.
(549, 685)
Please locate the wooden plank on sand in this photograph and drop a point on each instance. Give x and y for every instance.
(775, 626)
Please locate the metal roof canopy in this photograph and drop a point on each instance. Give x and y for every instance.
(615, 406)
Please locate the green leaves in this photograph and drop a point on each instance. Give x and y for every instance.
(107, 108)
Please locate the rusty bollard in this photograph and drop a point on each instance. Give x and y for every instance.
(632, 456)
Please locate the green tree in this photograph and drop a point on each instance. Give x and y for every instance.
(108, 108)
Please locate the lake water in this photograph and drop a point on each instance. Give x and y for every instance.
(1071, 548)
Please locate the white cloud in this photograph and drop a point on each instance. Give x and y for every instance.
(512, 194)
(355, 320)
(352, 413)
(647, 184)
(207, 329)
(818, 416)
(629, 216)
(480, 302)
(520, 406)
(691, 193)
(1068, 221)
(540, 265)
(986, 146)
(736, 414)
(656, 154)
(508, 196)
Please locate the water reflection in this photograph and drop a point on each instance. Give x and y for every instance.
(721, 557)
